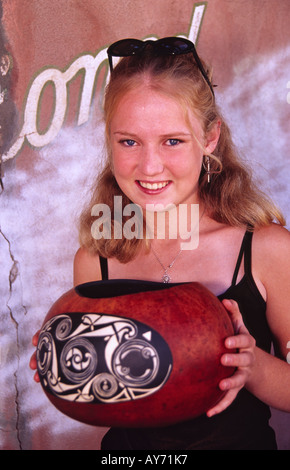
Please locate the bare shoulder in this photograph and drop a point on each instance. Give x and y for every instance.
(274, 239)
(86, 267)
(271, 252)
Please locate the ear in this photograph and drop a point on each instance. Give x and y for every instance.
(212, 137)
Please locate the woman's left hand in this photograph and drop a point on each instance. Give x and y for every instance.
(243, 359)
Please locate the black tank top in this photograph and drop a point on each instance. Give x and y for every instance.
(244, 425)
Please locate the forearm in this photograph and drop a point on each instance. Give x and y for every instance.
(270, 380)
(264, 375)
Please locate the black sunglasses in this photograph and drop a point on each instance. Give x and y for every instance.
(165, 46)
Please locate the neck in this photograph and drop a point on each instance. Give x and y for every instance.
(175, 223)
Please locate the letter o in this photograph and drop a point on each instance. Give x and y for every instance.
(32, 106)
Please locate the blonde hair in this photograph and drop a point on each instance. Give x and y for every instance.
(231, 197)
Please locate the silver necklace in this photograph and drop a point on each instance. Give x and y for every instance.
(166, 278)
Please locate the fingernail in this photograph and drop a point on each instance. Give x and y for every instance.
(227, 360)
(224, 385)
(229, 342)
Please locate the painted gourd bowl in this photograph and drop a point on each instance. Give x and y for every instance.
(128, 353)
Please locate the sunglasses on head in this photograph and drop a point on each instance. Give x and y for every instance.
(165, 46)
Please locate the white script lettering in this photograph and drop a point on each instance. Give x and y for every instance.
(60, 81)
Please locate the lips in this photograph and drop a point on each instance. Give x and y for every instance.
(154, 185)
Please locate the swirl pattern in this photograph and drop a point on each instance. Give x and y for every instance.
(99, 358)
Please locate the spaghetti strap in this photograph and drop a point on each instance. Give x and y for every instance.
(104, 268)
(248, 255)
(245, 251)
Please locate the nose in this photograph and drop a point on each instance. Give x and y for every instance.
(150, 162)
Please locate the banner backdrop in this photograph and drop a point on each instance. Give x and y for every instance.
(53, 69)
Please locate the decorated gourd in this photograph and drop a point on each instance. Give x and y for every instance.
(128, 353)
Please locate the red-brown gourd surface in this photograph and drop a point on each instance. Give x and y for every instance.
(176, 335)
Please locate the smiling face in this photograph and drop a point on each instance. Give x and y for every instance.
(155, 152)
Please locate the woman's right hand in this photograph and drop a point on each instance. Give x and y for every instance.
(33, 363)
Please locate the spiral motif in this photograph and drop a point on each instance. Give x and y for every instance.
(63, 329)
(99, 358)
(78, 360)
(44, 352)
(136, 363)
(105, 385)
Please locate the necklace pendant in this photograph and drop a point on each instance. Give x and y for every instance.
(166, 278)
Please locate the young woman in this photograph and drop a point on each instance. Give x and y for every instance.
(169, 148)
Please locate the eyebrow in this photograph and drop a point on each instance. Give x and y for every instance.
(171, 134)
(125, 133)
